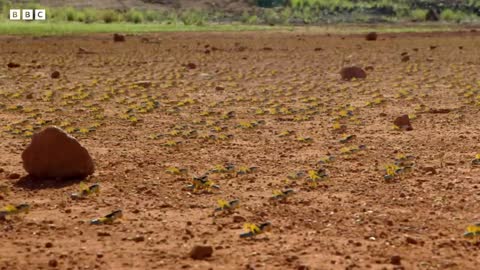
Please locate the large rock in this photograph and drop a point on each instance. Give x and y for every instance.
(52, 153)
(201, 252)
(403, 122)
(371, 36)
(349, 73)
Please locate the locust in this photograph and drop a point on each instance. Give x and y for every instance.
(473, 232)
(85, 191)
(253, 229)
(282, 195)
(108, 219)
(226, 206)
(202, 183)
(11, 210)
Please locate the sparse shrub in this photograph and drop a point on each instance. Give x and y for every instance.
(151, 15)
(419, 14)
(134, 16)
(271, 17)
(193, 17)
(71, 14)
(452, 15)
(109, 16)
(89, 15)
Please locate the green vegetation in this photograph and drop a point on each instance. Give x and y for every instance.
(277, 12)
(55, 28)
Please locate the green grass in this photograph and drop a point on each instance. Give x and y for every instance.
(75, 28)
(71, 28)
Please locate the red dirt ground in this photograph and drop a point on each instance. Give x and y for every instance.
(353, 220)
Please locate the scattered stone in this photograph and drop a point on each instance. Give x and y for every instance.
(371, 36)
(29, 96)
(191, 66)
(396, 260)
(318, 49)
(403, 122)
(84, 51)
(48, 245)
(411, 240)
(13, 65)
(238, 219)
(429, 170)
(444, 110)
(52, 263)
(405, 58)
(267, 49)
(369, 68)
(201, 252)
(13, 176)
(219, 88)
(303, 267)
(144, 84)
(349, 73)
(52, 153)
(138, 238)
(118, 38)
(55, 75)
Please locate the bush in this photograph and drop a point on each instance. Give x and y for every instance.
(89, 15)
(109, 16)
(134, 16)
(419, 14)
(71, 14)
(249, 19)
(451, 15)
(193, 17)
(271, 17)
(151, 15)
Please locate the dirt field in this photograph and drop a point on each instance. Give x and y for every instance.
(355, 219)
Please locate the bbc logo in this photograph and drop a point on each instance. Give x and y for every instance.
(28, 14)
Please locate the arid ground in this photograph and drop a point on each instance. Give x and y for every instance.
(197, 101)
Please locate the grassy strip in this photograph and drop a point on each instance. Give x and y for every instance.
(74, 28)
(71, 28)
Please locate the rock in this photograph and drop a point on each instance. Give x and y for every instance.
(48, 245)
(13, 65)
(318, 49)
(52, 153)
(429, 170)
(53, 263)
(396, 260)
(201, 252)
(238, 219)
(405, 58)
(191, 66)
(84, 51)
(369, 68)
(138, 238)
(349, 73)
(13, 176)
(29, 96)
(118, 38)
(371, 36)
(431, 15)
(411, 240)
(403, 122)
(55, 75)
(144, 84)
